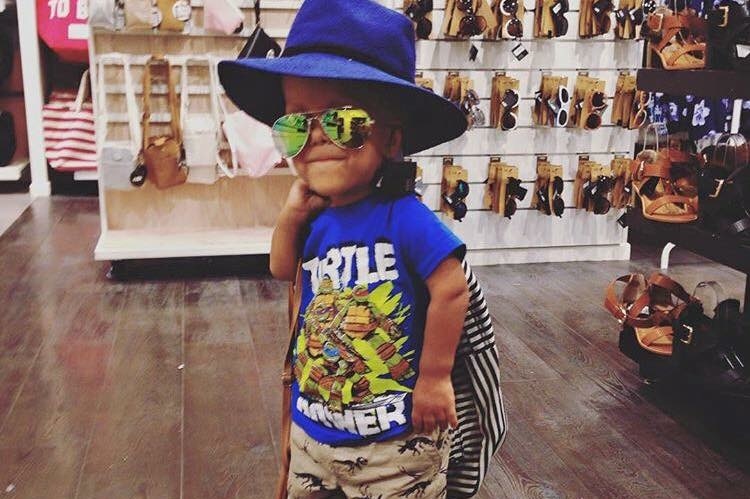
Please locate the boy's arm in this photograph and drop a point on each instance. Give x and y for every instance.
(433, 398)
(301, 207)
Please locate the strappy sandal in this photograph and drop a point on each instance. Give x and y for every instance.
(676, 38)
(665, 194)
(648, 308)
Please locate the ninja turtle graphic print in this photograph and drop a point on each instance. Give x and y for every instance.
(362, 317)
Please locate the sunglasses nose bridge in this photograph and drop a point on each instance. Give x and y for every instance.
(315, 132)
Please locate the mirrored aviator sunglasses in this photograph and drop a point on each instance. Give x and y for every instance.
(347, 127)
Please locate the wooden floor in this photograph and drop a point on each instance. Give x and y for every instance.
(169, 388)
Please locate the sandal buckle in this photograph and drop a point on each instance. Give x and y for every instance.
(660, 15)
(689, 338)
(717, 191)
(725, 16)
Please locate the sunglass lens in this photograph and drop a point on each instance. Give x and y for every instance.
(510, 207)
(562, 117)
(290, 134)
(593, 121)
(424, 28)
(557, 185)
(465, 5)
(347, 127)
(508, 121)
(462, 190)
(510, 99)
(558, 205)
(514, 27)
(459, 210)
(509, 7)
(598, 100)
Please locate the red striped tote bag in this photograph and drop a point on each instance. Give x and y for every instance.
(69, 130)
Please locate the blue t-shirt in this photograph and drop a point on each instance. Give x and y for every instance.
(362, 316)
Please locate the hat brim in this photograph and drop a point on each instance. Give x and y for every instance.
(254, 85)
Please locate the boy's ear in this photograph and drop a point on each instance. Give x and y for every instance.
(393, 146)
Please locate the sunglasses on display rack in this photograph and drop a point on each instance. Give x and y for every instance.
(515, 194)
(598, 103)
(456, 200)
(558, 106)
(416, 11)
(601, 9)
(558, 17)
(596, 193)
(471, 24)
(514, 26)
(543, 202)
(470, 107)
(347, 127)
(509, 120)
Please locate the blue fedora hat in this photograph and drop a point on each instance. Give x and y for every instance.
(357, 40)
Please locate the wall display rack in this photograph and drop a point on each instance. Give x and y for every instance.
(235, 216)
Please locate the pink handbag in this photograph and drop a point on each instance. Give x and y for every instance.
(223, 16)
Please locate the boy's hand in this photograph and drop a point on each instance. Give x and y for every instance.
(434, 404)
(303, 204)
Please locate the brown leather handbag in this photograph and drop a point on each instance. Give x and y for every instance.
(295, 299)
(163, 155)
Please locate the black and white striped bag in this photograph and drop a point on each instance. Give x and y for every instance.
(482, 423)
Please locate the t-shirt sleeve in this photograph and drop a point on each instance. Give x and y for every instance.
(426, 241)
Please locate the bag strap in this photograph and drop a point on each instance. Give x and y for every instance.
(83, 90)
(219, 111)
(295, 299)
(146, 116)
(131, 104)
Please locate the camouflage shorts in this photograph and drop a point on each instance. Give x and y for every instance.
(412, 467)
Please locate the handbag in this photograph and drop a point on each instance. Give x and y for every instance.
(7, 138)
(173, 14)
(162, 155)
(105, 13)
(64, 28)
(223, 16)
(250, 141)
(259, 44)
(117, 158)
(69, 130)
(200, 135)
(139, 14)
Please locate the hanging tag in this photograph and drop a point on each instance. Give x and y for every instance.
(473, 52)
(623, 220)
(519, 51)
(181, 10)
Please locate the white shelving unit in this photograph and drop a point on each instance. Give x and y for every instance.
(14, 171)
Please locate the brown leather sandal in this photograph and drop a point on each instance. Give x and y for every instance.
(647, 306)
(653, 185)
(677, 39)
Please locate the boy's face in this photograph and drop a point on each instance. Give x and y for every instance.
(330, 171)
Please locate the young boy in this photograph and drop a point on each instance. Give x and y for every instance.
(384, 295)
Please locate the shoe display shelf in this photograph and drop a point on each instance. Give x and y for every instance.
(693, 237)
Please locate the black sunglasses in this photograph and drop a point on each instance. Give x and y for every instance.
(456, 200)
(471, 24)
(416, 11)
(509, 120)
(596, 194)
(514, 193)
(559, 20)
(543, 201)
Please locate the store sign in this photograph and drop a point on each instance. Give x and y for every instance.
(63, 25)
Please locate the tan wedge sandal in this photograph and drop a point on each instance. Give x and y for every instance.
(677, 39)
